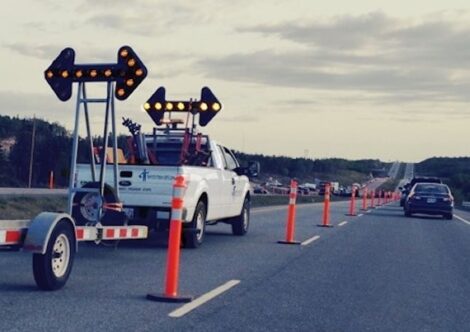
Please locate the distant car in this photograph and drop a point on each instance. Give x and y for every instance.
(430, 198)
(260, 190)
(417, 179)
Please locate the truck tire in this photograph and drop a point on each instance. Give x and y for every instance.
(52, 270)
(241, 223)
(194, 238)
(86, 205)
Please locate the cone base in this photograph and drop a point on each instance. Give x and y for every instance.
(169, 299)
(351, 215)
(289, 242)
(325, 225)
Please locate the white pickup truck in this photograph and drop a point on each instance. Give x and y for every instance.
(218, 189)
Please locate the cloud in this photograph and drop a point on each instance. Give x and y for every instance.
(25, 105)
(341, 32)
(42, 52)
(393, 60)
(239, 119)
(149, 20)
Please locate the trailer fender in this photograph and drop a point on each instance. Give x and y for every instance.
(40, 231)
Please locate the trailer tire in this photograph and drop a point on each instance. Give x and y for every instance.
(52, 269)
(241, 223)
(194, 238)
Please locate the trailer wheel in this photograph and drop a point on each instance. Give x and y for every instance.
(241, 223)
(51, 270)
(193, 239)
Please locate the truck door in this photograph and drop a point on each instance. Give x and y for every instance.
(235, 199)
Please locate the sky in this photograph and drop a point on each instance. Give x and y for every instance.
(317, 79)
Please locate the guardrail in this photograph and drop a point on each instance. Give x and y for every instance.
(466, 204)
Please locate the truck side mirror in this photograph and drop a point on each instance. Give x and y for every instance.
(253, 169)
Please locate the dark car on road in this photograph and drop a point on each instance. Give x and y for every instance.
(430, 198)
(417, 179)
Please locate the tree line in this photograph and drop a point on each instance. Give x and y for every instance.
(53, 148)
(455, 172)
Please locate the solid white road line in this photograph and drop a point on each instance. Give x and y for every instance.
(342, 223)
(183, 310)
(462, 219)
(308, 241)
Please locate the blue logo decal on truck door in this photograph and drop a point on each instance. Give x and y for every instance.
(144, 175)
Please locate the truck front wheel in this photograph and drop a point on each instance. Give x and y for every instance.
(241, 223)
(193, 238)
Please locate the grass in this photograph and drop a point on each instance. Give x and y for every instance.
(29, 206)
(270, 200)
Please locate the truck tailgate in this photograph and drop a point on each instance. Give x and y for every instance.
(138, 185)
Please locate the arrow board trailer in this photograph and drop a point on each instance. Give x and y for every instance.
(53, 239)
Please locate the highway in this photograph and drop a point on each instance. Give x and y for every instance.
(393, 172)
(409, 174)
(379, 271)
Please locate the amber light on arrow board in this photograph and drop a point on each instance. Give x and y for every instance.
(128, 73)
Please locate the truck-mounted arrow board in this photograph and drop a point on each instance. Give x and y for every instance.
(128, 73)
(207, 107)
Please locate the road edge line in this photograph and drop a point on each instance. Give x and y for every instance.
(462, 219)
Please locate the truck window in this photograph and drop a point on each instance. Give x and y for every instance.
(230, 160)
(167, 152)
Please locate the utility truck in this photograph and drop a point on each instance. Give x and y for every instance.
(218, 188)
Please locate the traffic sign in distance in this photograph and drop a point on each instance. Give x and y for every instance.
(207, 107)
(128, 73)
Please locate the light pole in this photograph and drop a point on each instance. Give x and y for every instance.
(33, 137)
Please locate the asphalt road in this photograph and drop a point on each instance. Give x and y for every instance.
(379, 272)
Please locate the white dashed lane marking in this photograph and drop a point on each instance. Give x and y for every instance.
(308, 241)
(181, 311)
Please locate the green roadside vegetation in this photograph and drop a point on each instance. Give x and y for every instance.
(53, 147)
(271, 200)
(29, 206)
(455, 172)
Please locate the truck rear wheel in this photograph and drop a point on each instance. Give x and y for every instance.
(52, 270)
(241, 223)
(193, 238)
